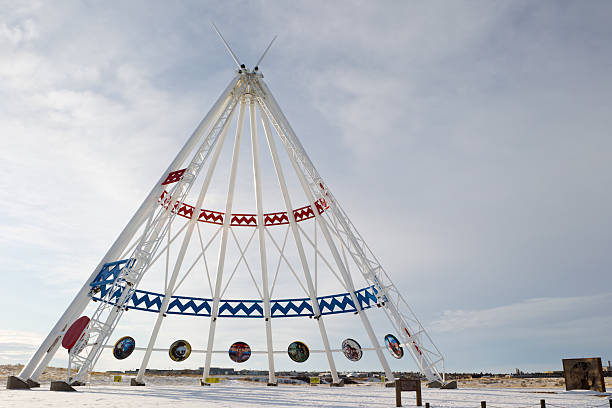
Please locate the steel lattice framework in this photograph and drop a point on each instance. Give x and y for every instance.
(114, 282)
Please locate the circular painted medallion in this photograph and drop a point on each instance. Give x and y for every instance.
(298, 352)
(239, 352)
(124, 347)
(394, 346)
(75, 332)
(352, 350)
(180, 350)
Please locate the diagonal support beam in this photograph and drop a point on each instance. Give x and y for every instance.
(262, 238)
(399, 312)
(181, 255)
(300, 247)
(348, 281)
(41, 358)
(214, 314)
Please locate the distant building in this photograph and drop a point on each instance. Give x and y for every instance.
(222, 371)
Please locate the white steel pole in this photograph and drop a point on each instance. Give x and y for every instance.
(346, 276)
(262, 240)
(169, 291)
(298, 241)
(149, 243)
(223, 247)
(78, 304)
(370, 267)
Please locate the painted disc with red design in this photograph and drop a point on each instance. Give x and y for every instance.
(74, 333)
(240, 352)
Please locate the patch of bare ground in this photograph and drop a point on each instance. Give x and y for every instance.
(56, 373)
(495, 382)
(50, 373)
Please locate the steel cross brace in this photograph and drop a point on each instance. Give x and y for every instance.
(428, 358)
(108, 313)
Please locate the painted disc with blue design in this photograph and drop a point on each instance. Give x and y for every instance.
(124, 347)
(394, 346)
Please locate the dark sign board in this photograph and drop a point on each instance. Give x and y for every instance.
(406, 384)
(583, 374)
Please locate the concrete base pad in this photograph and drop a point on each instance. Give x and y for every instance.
(32, 383)
(135, 383)
(338, 384)
(16, 383)
(390, 384)
(61, 386)
(204, 383)
(434, 384)
(272, 384)
(452, 385)
(77, 384)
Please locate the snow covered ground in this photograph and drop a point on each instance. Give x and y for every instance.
(179, 393)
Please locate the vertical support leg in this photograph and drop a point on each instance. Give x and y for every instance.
(223, 247)
(300, 247)
(275, 110)
(344, 272)
(169, 290)
(81, 300)
(45, 360)
(262, 240)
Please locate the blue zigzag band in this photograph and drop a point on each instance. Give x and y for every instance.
(193, 306)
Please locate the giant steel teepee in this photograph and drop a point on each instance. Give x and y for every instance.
(324, 244)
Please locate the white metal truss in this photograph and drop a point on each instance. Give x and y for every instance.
(412, 333)
(45, 352)
(113, 304)
(312, 294)
(262, 238)
(246, 91)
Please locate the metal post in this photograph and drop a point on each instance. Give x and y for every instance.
(398, 393)
(542, 403)
(76, 307)
(423, 350)
(346, 276)
(262, 240)
(223, 247)
(300, 247)
(169, 290)
(483, 404)
(109, 311)
(348, 281)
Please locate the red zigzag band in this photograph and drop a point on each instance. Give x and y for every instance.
(243, 220)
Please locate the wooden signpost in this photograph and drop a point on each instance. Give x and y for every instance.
(405, 384)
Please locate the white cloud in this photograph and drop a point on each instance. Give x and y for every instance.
(19, 34)
(17, 346)
(533, 314)
(468, 144)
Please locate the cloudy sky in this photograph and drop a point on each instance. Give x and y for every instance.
(469, 142)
